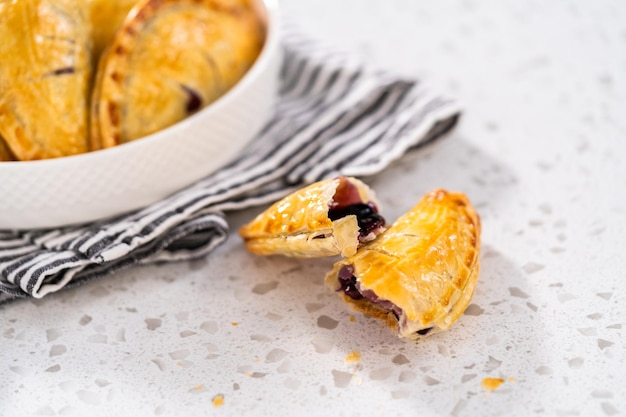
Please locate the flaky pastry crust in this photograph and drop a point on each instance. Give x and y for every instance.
(106, 16)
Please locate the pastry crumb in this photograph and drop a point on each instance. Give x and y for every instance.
(353, 357)
(234, 323)
(218, 400)
(492, 384)
(352, 319)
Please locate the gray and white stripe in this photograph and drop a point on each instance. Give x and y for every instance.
(333, 117)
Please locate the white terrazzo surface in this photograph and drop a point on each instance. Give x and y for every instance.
(541, 152)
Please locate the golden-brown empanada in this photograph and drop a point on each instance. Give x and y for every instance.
(5, 152)
(169, 59)
(420, 274)
(327, 218)
(44, 78)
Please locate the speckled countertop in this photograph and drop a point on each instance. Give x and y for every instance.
(541, 152)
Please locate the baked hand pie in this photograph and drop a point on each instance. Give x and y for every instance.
(169, 59)
(327, 218)
(419, 275)
(45, 70)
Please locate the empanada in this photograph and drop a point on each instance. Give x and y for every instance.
(420, 274)
(44, 78)
(169, 59)
(327, 218)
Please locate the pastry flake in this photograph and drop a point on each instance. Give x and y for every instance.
(419, 275)
(327, 218)
(169, 59)
(45, 70)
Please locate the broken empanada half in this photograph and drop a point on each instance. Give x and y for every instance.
(327, 218)
(169, 59)
(419, 275)
(44, 78)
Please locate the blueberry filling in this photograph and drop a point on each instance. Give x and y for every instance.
(348, 283)
(350, 287)
(194, 101)
(60, 71)
(366, 216)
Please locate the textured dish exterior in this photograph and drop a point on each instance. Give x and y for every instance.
(426, 263)
(93, 186)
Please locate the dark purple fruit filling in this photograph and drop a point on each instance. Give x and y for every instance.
(424, 332)
(194, 101)
(347, 280)
(350, 287)
(366, 216)
(60, 71)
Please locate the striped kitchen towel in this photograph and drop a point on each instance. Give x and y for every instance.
(333, 117)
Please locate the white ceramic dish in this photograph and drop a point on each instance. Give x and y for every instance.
(93, 186)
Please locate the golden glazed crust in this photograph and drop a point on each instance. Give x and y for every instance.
(169, 59)
(299, 225)
(426, 264)
(44, 78)
(106, 16)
